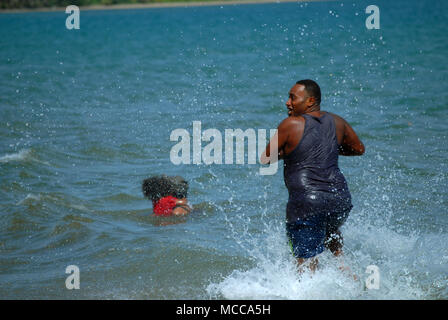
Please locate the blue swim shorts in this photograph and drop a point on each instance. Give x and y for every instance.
(307, 235)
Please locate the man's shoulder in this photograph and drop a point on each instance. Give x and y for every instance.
(335, 116)
(291, 121)
(338, 121)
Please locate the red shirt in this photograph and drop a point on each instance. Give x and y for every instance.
(164, 206)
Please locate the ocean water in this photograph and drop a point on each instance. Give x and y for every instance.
(87, 114)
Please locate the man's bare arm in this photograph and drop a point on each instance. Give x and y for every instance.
(351, 145)
(276, 144)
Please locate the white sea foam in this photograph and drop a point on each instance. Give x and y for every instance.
(23, 154)
(29, 198)
(275, 276)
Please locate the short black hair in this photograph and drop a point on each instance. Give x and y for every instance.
(160, 186)
(312, 88)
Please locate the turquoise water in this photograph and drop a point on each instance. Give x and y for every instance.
(87, 114)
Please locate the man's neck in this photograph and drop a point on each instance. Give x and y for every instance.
(314, 108)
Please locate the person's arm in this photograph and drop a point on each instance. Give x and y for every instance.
(182, 208)
(351, 145)
(276, 144)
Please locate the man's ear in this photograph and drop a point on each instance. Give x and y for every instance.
(311, 101)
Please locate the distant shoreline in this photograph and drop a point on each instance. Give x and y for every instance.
(154, 5)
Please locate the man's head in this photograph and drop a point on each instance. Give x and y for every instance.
(304, 96)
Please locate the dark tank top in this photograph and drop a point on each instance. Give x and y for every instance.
(311, 172)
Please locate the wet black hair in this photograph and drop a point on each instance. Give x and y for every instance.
(160, 186)
(312, 88)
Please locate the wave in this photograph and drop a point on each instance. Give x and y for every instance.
(30, 198)
(120, 198)
(24, 154)
(402, 273)
(60, 200)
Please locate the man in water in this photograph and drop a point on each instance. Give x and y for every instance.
(309, 141)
